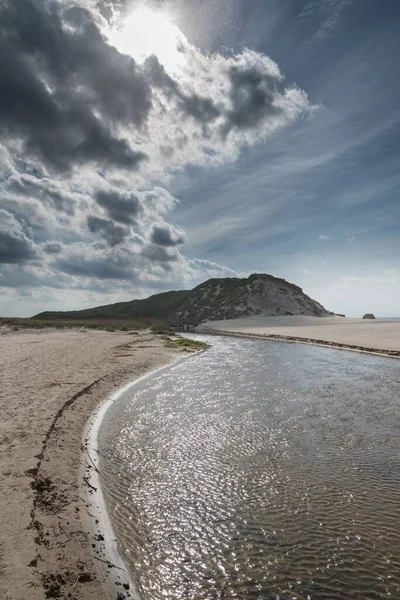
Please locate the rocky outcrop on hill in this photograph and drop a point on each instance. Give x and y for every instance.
(213, 300)
(232, 298)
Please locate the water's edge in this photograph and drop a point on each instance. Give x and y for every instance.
(110, 564)
(96, 520)
(275, 337)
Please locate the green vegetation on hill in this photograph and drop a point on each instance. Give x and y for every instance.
(102, 324)
(155, 307)
(215, 299)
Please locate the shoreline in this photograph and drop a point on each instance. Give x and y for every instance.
(302, 340)
(51, 382)
(112, 570)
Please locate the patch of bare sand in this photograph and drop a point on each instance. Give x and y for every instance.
(49, 384)
(370, 335)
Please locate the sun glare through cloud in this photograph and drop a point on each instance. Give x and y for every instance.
(145, 32)
(144, 143)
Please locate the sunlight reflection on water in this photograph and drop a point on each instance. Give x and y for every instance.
(259, 470)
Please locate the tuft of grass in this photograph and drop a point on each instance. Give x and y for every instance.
(19, 324)
(189, 344)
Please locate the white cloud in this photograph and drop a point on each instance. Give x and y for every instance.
(218, 105)
(208, 268)
(85, 190)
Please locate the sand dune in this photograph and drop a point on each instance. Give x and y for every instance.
(50, 382)
(380, 334)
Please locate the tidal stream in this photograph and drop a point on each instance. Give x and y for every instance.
(259, 469)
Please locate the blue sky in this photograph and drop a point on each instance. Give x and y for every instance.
(298, 176)
(319, 203)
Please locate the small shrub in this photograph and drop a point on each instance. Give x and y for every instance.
(187, 343)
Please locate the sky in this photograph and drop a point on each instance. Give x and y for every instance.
(151, 145)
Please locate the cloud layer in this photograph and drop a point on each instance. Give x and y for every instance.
(89, 138)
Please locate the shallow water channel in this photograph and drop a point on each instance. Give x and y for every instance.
(259, 469)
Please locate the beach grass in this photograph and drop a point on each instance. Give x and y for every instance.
(189, 344)
(16, 324)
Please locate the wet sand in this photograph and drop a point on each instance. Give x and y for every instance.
(380, 336)
(112, 567)
(50, 382)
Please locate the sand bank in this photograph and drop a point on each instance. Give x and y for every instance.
(50, 382)
(381, 336)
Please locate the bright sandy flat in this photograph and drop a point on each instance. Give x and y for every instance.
(382, 334)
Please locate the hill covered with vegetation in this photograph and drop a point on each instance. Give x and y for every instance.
(213, 300)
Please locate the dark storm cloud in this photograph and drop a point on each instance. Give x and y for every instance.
(14, 249)
(63, 88)
(74, 111)
(251, 98)
(15, 246)
(113, 234)
(165, 235)
(101, 266)
(122, 207)
(252, 95)
(203, 110)
(52, 247)
(118, 263)
(157, 74)
(24, 276)
(67, 94)
(159, 254)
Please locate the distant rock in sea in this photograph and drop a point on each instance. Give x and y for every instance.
(369, 316)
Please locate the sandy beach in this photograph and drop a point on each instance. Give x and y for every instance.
(50, 383)
(379, 335)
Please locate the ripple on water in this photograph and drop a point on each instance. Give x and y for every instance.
(259, 470)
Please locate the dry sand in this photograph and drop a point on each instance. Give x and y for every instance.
(380, 335)
(49, 384)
